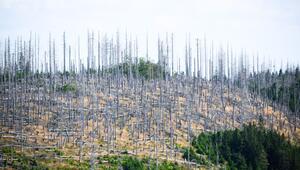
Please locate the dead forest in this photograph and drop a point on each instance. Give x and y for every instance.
(113, 99)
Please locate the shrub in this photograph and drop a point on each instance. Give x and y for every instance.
(132, 163)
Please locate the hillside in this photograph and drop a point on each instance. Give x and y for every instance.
(89, 115)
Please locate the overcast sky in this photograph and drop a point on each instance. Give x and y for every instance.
(269, 27)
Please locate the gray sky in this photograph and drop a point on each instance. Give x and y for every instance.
(269, 27)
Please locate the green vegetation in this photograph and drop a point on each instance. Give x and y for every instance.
(67, 88)
(47, 160)
(19, 161)
(252, 147)
(75, 164)
(57, 152)
(44, 160)
(142, 68)
(279, 87)
(134, 163)
(66, 74)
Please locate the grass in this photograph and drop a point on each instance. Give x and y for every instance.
(13, 159)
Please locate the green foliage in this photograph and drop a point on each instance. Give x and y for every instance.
(112, 160)
(189, 153)
(15, 77)
(20, 75)
(249, 148)
(19, 161)
(15, 160)
(283, 88)
(58, 152)
(91, 71)
(66, 74)
(67, 88)
(8, 151)
(132, 163)
(71, 164)
(168, 166)
(142, 68)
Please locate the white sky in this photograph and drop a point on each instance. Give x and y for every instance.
(269, 27)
